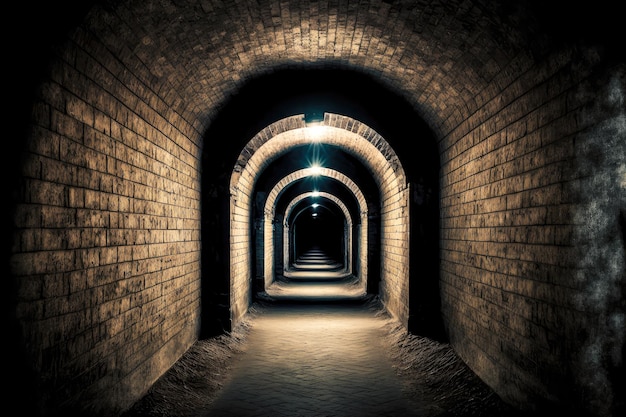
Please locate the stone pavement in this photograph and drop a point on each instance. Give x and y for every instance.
(315, 350)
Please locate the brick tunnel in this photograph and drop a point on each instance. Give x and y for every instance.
(465, 160)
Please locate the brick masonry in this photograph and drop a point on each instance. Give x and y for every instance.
(105, 249)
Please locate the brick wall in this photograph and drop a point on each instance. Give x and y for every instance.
(511, 275)
(106, 247)
(394, 254)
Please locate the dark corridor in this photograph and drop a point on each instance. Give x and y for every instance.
(469, 157)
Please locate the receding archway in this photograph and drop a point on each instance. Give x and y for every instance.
(355, 138)
(352, 228)
(319, 229)
(269, 215)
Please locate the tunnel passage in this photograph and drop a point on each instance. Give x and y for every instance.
(317, 221)
(322, 156)
(285, 187)
(323, 177)
(388, 176)
(130, 124)
(303, 108)
(318, 227)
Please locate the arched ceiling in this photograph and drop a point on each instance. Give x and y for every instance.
(305, 155)
(199, 54)
(439, 56)
(329, 156)
(322, 185)
(332, 175)
(264, 101)
(304, 202)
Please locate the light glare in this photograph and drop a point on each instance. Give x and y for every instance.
(315, 170)
(315, 132)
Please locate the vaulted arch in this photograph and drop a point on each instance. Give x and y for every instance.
(351, 224)
(353, 137)
(269, 214)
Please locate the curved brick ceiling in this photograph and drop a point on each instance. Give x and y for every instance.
(287, 146)
(441, 56)
(301, 203)
(270, 203)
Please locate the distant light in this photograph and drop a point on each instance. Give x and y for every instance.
(315, 205)
(315, 169)
(315, 193)
(314, 215)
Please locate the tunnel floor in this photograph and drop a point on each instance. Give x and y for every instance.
(318, 346)
(311, 359)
